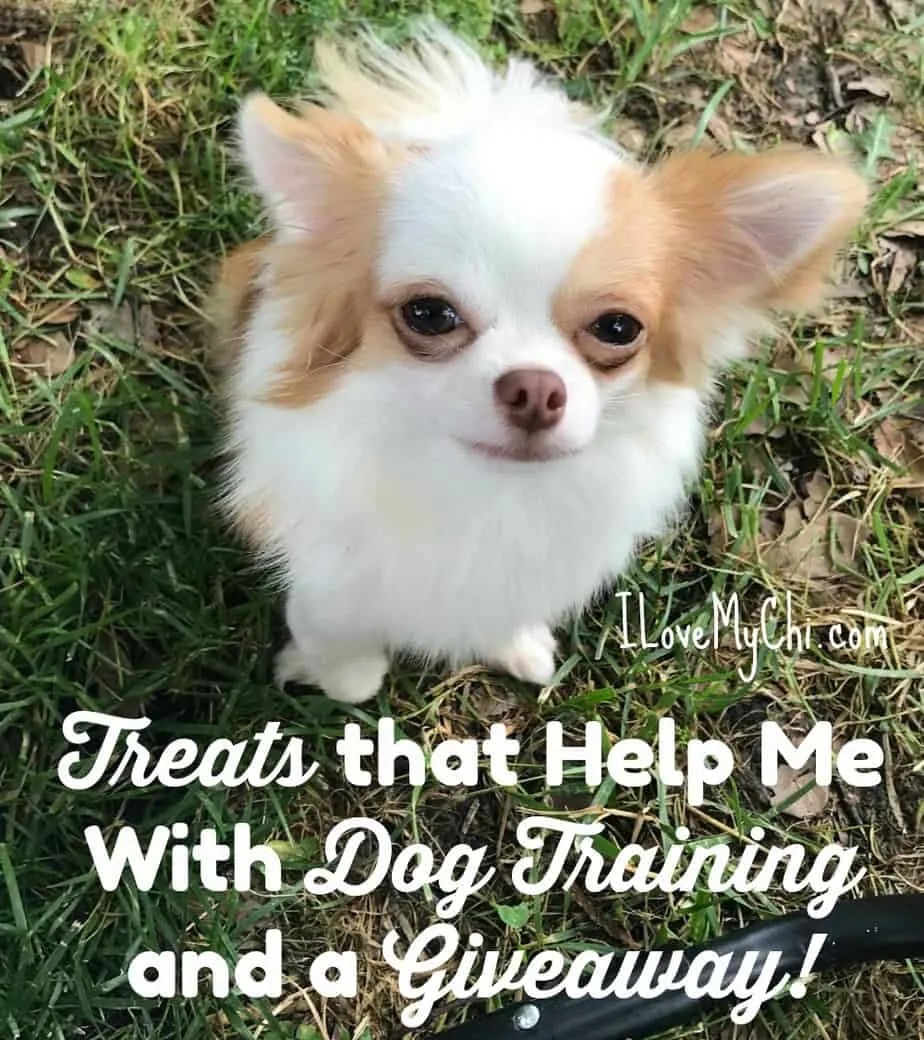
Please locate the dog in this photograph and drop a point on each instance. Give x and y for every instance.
(470, 365)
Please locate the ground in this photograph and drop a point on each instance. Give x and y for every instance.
(122, 591)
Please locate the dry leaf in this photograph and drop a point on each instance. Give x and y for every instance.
(122, 324)
(146, 326)
(59, 312)
(902, 10)
(699, 20)
(829, 138)
(903, 444)
(874, 85)
(914, 438)
(115, 322)
(903, 264)
(734, 59)
(768, 527)
(35, 56)
(832, 358)
(817, 490)
(761, 428)
(495, 702)
(49, 356)
(717, 533)
(800, 550)
(679, 135)
(721, 132)
(533, 6)
(721, 538)
(888, 440)
(849, 535)
(796, 391)
(810, 549)
(905, 229)
(851, 289)
(907, 143)
(809, 804)
(630, 136)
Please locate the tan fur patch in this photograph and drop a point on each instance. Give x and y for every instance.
(325, 281)
(715, 269)
(694, 184)
(625, 268)
(669, 255)
(234, 297)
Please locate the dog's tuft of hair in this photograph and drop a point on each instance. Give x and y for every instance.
(436, 87)
(468, 367)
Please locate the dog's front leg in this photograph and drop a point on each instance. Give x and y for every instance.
(325, 654)
(529, 655)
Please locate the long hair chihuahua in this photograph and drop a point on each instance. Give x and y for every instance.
(469, 367)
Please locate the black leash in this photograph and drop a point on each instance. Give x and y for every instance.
(883, 928)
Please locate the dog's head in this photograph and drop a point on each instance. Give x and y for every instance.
(471, 242)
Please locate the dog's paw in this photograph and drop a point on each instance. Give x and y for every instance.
(290, 666)
(350, 680)
(530, 656)
(355, 681)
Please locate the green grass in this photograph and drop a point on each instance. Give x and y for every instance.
(122, 592)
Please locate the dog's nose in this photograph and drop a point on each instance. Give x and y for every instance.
(532, 399)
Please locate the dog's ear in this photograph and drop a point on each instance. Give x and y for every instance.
(759, 231)
(300, 164)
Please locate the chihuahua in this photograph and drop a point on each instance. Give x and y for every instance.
(469, 366)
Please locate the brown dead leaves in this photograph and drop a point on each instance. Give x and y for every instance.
(48, 347)
(795, 792)
(701, 19)
(796, 795)
(809, 541)
(54, 330)
(815, 542)
(901, 254)
(901, 442)
(124, 324)
(47, 356)
(819, 534)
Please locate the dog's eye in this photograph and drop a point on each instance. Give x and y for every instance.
(430, 316)
(616, 329)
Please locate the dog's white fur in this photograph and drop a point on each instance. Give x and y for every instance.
(392, 534)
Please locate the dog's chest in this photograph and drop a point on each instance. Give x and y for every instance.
(437, 555)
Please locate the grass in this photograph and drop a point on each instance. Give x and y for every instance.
(122, 593)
